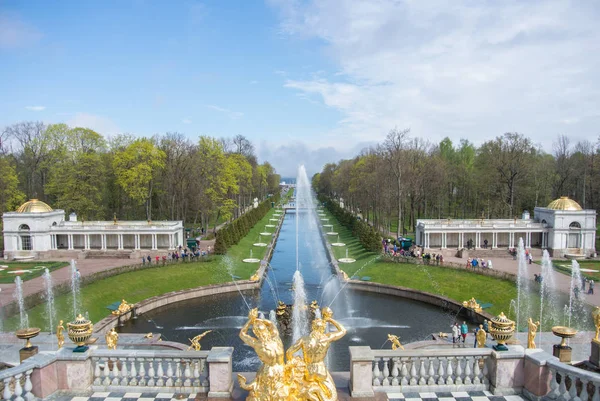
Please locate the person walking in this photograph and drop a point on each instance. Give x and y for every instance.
(455, 333)
(591, 287)
(464, 329)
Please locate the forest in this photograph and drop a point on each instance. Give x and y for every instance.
(163, 177)
(406, 177)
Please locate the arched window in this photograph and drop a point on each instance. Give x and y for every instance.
(574, 225)
(544, 222)
(25, 238)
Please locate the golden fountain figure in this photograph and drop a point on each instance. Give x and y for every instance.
(533, 327)
(395, 340)
(596, 318)
(481, 336)
(112, 337)
(124, 307)
(196, 341)
(472, 304)
(281, 308)
(60, 337)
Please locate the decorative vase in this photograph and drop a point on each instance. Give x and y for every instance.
(79, 331)
(564, 333)
(502, 329)
(27, 334)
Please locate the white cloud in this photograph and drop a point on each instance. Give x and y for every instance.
(253, 82)
(458, 69)
(100, 124)
(15, 33)
(35, 108)
(186, 121)
(234, 115)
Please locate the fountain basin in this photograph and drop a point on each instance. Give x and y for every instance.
(564, 333)
(273, 219)
(265, 233)
(27, 334)
(260, 244)
(332, 233)
(269, 225)
(338, 244)
(346, 260)
(250, 260)
(324, 219)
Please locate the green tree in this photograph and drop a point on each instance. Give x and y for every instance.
(10, 195)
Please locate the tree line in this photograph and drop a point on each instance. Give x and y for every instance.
(164, 177)
(405, 178)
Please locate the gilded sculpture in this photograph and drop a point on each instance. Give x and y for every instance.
(124, 307)
(533, 327)
(472, 304)
(481, 336)
(301, 378)
(596, 317)
(112, 337)
(395, 340)
(195, 342)
(60, 336)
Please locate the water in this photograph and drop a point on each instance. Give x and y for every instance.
(75, 289)
(50, 308)
(346, 253)
(548, 298)
(18, 295)
(522, 285)
(250, 253)
(577, 317)
(273, 316)
(299, 311)
(228, 262)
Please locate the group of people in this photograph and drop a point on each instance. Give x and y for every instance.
(459, 333)
(474, 262)
(584, 282)
(183, 254)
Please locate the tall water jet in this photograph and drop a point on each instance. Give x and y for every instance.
(50, 309)
(75, 289)
(522, 285)
(547, 285)
(299, 310)
(577, 315)
(18, 294)
(273, 316)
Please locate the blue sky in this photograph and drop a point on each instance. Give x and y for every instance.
(306, 81)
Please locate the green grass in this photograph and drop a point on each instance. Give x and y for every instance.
(36, 269)
(564, 266)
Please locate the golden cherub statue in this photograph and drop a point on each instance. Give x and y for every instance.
(533, 327)
(314, 305)
(280, 308)
(124, 307)
(481, 336)
(596, 317)
(112, 337)
(395, 340)
(344, 275)
(196, 341)
(472, 304)
(149, 335)
(60, 337)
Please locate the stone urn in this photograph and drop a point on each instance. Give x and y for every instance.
(79, 331)
(502, 329)
(562, 351)
(27, 334)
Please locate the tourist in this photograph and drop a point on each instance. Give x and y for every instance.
(464, 329)
(441, 260)
(489, 265)
(143, 260)
(468, 263)
(584, 281)
(576, 292)
(455, 333)
(486, 326)
(157, 259)
(591, 288)
(474, 263)
(485, 243)
(164, 260)
(530, 258)
(149, 259)
(475, 330)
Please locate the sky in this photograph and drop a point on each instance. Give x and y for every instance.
(307, 81)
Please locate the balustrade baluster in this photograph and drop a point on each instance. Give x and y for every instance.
(142, 370)
(583, 395)
(449, 372)
(476, 372)
(395, 372)
(562, 387)
(422, 372)
(151, 373)
(431, 372)
(376, 381)
(596, 396)
(28, 386)
(106, 372)
(196, 381)
(18, 388)
(413, 372)
(6, 394)
(178, 372)
(202, 370)
(124, 373)
(458, 379)
(97, 372)
(554, 391)
(573, 389)
(468, 361)
(188, 374)
(169, 382)
(386, 372)
(485, 375)
(440, 374)
(403, 373)
(134, 374)
(115, 372)
(161, 379)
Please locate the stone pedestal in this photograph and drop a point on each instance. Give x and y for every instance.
(595, 354)
(220, 372)
(507, 371)
(562, 353)
(361, 375)
(25, 353)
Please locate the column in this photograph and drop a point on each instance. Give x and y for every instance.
(444, 240)
(120, 241)
(494, 239)
(86, 241)
(70, 241)
(137, 241)
(103, 241)
(170, 241)
(154, 242)
(477, 242)
(462, 240)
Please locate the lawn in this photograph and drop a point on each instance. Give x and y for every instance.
(564, 266)
(29, 270)
(139, 285)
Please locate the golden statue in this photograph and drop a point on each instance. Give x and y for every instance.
(481, 336)
(112, 337)
(124, 307)
(533, 327)
(318, 384)
(344, 275)
(395, 340)
(60, 337)
(314, 305)
(281, 308)
(149, 335)
(196, 341)
(269, 382)
(596, 317)
(472, 304)
(254, 277)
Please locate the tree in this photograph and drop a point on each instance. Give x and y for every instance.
(10, 195)
(393, 149)
(136, 167)
(242, 146)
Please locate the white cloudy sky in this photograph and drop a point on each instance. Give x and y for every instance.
(306, 80)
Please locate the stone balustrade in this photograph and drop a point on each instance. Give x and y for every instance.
(570, 383)
(16, 383)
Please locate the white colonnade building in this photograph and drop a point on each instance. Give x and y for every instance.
(36, 230)
(563, 227)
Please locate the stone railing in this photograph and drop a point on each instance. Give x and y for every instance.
(570, 383)
(434, 370)
(15, 383)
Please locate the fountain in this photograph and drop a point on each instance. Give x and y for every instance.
(577, 317)
(522, 285)
(75, 288)
(260, 243)
(25, 332)
(18, 295)
(266, 233)
(299, 311)
(251, 259)
(346, 259)
(338, 243)
(50, 308)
